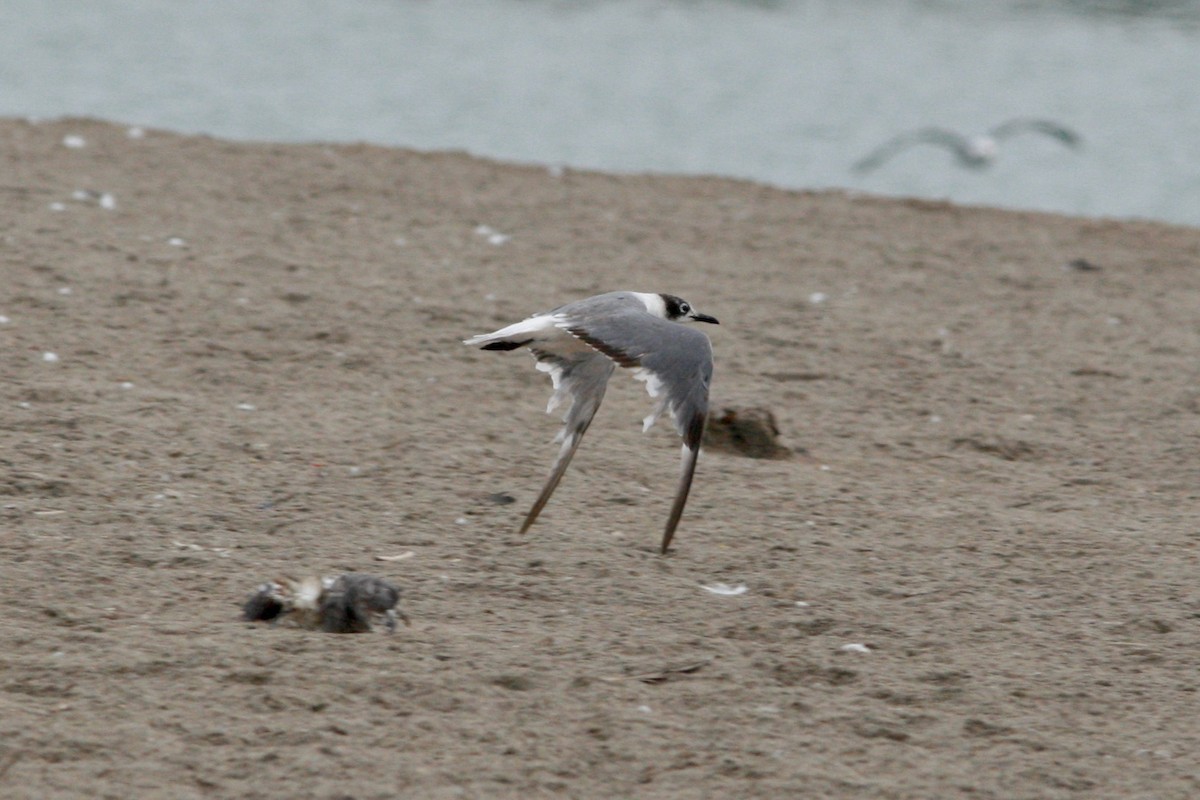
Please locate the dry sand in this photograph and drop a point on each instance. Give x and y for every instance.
(259, 373)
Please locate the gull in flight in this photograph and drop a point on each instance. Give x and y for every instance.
(581, 343)
(976, 151)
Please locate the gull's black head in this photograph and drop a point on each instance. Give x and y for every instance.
(680, 310)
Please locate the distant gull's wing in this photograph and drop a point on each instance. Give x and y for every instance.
(1014, 126)
(582, 377)
(886, 151)
(675, 361)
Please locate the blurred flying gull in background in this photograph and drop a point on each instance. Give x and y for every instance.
(976, 151)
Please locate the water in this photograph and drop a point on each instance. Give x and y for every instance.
(790, 93)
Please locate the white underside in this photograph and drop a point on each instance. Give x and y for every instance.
(654, 387)
(555, 372)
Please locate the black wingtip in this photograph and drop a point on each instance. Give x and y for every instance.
(505, 345)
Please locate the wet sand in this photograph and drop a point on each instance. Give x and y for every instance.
(975, 578)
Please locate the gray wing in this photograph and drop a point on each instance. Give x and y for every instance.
(886, 151)
(1014, 126)
(676, 363)
(582, 378)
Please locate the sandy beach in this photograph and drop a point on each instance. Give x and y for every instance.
(227, 362)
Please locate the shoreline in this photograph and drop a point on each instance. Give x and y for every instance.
(557, 168)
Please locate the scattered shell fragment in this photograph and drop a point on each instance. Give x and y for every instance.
(725, 589)
(855, 647)
(105, 200)
(492, 235)
(398, 557)
(50, 358)
(223, 552)
(73, 141)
